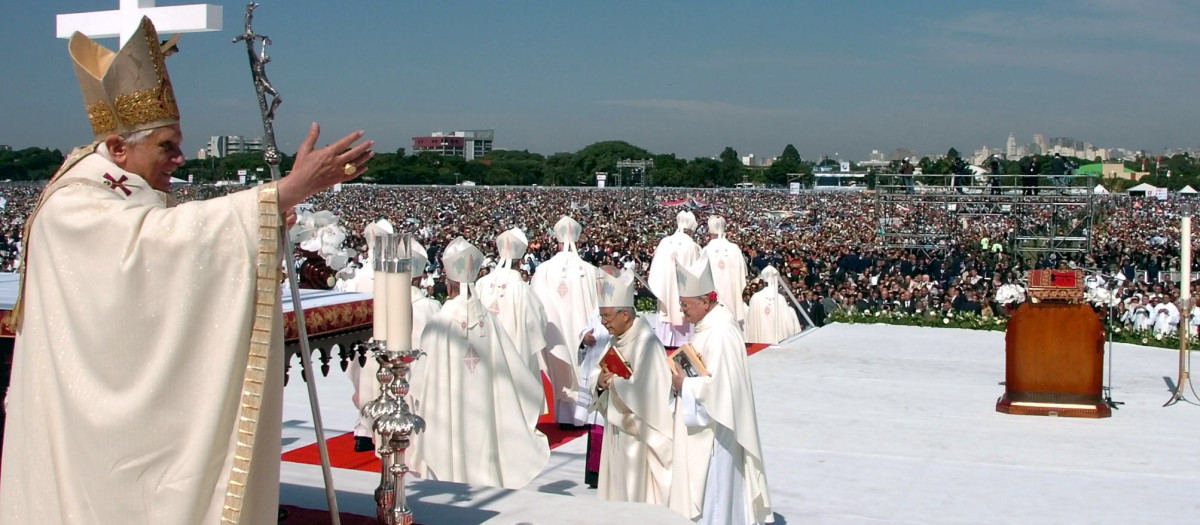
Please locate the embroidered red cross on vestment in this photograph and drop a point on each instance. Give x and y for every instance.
(117, 184)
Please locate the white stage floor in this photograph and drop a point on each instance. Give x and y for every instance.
(867, 424)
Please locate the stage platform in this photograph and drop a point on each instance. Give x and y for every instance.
(864, 424)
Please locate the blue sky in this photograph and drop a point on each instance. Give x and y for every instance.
(831, 77)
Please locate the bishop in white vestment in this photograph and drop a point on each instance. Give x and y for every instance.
(770, 319)
(636, 459)
(677, 248)
(513, 302)
(566, 285)
(474, 388)
(717, 472)
(728, 268)
(141, 369)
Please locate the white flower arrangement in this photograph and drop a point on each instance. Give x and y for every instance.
(320, 232)
(1010, 293)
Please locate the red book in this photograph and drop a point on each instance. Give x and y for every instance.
(614, 362)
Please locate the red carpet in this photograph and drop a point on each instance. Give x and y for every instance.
(755, 348)
(342, 454)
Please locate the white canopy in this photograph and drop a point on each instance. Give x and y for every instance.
(1099, 190)
(1142, 188)
(1188, 189)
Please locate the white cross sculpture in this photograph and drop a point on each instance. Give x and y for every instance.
(124, 21)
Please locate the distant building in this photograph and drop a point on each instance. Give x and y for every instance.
(469, 144)
(5, 147)
(226, 145)
(1010, 147)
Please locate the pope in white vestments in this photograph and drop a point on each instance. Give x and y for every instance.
(366, 385)
(141, 370)
(770, 319)
(566, 285)
(677, 248)
(728, 268)
(475, 390)
(513, 302)
(717, 472)
(636, 459)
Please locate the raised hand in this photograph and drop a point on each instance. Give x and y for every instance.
(316, 170)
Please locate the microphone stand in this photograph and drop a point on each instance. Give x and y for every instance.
(1108, 330)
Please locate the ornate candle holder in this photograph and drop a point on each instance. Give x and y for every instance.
(395, 424)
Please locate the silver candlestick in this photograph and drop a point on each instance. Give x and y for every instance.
(395, 424)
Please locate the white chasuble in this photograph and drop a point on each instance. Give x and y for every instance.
(664, 284)
(480, 402)
(636, 460)
(130, 364)
(729, 274)
(566, 285)
(519, 311)
(770, 319)
(717, 472)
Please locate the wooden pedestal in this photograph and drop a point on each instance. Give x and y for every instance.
(1055, 362)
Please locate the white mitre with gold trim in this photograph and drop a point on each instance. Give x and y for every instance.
(128, 90)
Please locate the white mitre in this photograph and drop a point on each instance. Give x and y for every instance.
(567, 231)
(686, 221)
(420, 257)
(716, 225)
(462, 261)
(615, 292)
(511, 246)
(696, 280)
(373, 230)
(770, 276)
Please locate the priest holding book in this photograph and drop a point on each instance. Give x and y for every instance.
(633, 394)
(717, 470)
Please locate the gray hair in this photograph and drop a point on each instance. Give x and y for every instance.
(131, 138)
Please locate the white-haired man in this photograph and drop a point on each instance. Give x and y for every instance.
(566, 285)
(475, 390)
(504, 293)
(717, 472)
(728, 267)
(677, 248)
(636, 461)
(132, 311)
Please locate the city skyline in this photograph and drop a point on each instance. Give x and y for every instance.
(685, 78)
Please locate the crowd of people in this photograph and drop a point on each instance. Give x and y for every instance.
(827, 245)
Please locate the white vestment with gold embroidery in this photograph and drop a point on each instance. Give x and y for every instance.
(130, 361)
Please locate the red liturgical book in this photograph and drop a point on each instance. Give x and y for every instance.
(614, 362)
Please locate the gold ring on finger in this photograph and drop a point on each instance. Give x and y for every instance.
(349, 168)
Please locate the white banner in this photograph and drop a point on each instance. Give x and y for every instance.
(795, 188)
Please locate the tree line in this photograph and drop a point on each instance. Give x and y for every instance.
(522, 168)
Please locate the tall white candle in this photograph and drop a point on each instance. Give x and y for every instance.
(379, 300)
(399, 314)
